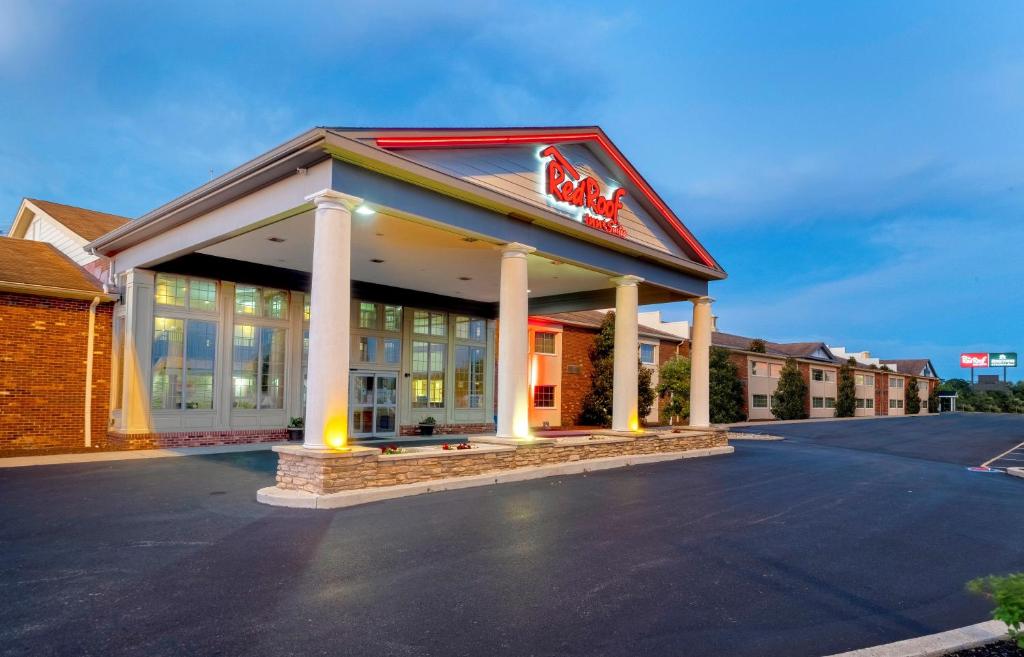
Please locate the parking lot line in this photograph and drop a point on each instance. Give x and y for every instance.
(1006, 453)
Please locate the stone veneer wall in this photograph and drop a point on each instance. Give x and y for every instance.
(371, 469)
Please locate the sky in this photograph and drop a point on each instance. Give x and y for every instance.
(856, 167)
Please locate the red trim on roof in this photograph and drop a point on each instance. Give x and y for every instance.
(483, 141)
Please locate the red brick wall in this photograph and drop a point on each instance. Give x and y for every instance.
(881, 393)
(43, 345)
(576, 344)
(666, 352)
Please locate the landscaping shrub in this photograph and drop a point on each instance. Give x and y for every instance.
(790, 393)
(674, 390)
(1008, 593)
(846, 397)
(912, 398)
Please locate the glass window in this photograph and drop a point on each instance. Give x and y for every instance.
(760, 401)
(392, 351)
(428, 361)
(200, 357)
(869, 380)
(818, 402)
(774, 370)
(171, 290)
(469, 376)
(544, 342)
(892, 403)
(469, 328)
(829, 376)
(258, 367)
(202, 295)
(899, 403)
(895, 383)
(860, 402)
(367, 315)
(246, 300)
(757, 368)
(647, 354)
(305, 364)
(275, 304)
(869, 403)
(367, 349)
(818, 375)
(392, 318)
(544, 396)
(168, 346)
(830, 402)
(305, 307)
(429, 323)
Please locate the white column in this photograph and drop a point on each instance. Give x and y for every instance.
(138, 347)
(513, 343)
(329, 318)
(700, 359)
(626, 361)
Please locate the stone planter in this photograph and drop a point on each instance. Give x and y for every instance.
(427, 429)
(296, 434)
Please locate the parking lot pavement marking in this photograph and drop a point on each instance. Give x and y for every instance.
(1006, 453)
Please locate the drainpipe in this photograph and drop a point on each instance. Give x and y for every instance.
(88, 371)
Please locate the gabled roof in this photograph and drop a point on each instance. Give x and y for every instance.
(808, 350)
(30, 267)
(594, 318)
(911, 366)
(434, 138)
(87, 224)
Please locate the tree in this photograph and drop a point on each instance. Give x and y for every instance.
(726, 389)
(912, 398)
(597, 404)
(846, 397)
(790, 393)
(645, 393)
(758, 346)
(674, 389)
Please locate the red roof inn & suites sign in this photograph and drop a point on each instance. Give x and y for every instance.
(564, 184)
(974, 360)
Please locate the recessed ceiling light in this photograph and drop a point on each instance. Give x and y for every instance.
(365, 210)
(529, 291)
(376, 260)
(465, 278)
(277, 240)
(470, 239)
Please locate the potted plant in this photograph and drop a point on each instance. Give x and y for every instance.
(296, 428)
(427, 426)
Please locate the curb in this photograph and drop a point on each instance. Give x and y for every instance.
(297, 499)
(859, 418)
(934, 645)
(735, 435)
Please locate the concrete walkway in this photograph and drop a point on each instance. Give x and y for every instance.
(130, 455)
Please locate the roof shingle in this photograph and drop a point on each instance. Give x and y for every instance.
(87, 224)
(27, 262)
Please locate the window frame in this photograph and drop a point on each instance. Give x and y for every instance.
(553, 396)
(554, 342)
(654, 353)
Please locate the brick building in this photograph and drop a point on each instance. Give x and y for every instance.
(561, 369)
(55, 336)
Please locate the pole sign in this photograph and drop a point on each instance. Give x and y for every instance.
(1004, 359)
(974, 360)
(586, 194)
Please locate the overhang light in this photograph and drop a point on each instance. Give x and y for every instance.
(365, 210)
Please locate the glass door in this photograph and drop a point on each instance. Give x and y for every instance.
(374, 404)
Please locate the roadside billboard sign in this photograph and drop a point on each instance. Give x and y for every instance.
(1003, 359)
(974, 360)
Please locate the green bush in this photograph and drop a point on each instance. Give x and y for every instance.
(846, 399)
(913, 397)
(674, 389)
(1008, 593)
(790, 393)
(726, 389)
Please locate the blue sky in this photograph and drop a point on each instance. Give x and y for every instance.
(857, 167)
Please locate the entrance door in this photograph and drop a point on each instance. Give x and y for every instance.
(374, 404)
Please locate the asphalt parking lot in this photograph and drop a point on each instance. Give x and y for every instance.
(845, 535)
